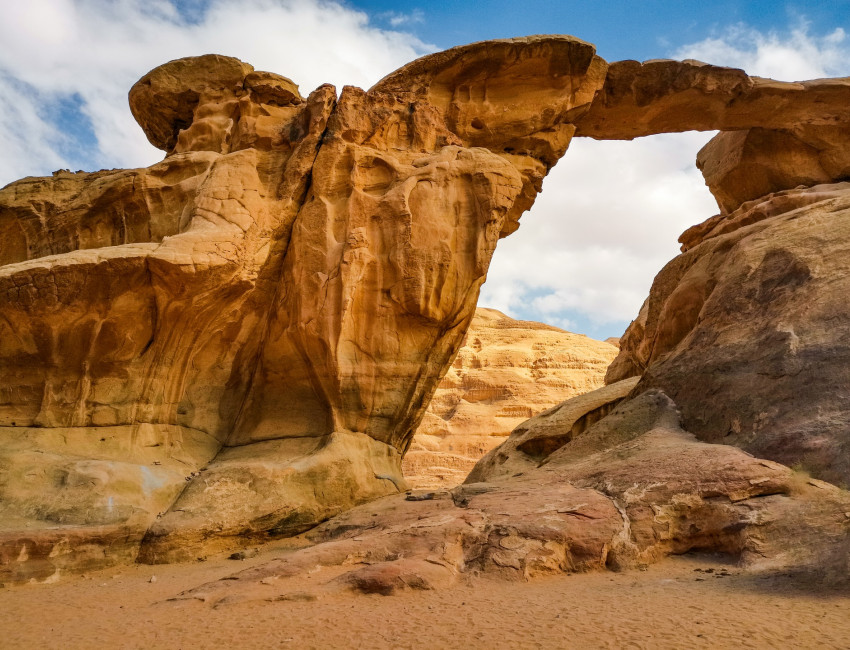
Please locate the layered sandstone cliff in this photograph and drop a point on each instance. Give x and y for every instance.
(505, 372)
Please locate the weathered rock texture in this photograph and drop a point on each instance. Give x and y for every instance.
(540, 436)
(749, 330)
(505, 372)
(255, 325)
(775, 135)
(740, 166)
(663, 96)
(240, 341)
(625, 492)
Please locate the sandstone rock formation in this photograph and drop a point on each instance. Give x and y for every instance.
(747, 330)
(239, 342)
(628, 490)
(662, 96)
(288, 287)
(539, 437)
(505, 372)
(740, 166)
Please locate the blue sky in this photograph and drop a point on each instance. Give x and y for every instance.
(621, 29)
(610, 212)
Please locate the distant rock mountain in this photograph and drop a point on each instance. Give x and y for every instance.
(506, 372)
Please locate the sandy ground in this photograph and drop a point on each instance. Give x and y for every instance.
(693, 601)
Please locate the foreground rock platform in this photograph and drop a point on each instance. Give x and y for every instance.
(239, 342)
(629, 490)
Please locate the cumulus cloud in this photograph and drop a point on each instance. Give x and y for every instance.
(607, 220)
(94, 50)
(793, 56)
(611, 212)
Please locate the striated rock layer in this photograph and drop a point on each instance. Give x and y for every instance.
(631, 488)
(240, 341)
(506, 371)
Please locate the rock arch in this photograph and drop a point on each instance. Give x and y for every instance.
(251, 329)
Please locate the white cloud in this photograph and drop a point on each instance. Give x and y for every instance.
(611, 212)
(607, 220)
(793, 56)
(96, 49)
(397, 19)
(25, 138)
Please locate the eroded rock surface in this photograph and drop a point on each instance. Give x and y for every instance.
(663, 96)
(741, 166)
(505, 372)
(747, 330)
(540, 436)
(240, 341)
(774, 135)
(628, 490)
(274, 303)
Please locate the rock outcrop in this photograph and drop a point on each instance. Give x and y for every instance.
(240, 341)
(505, 372)
(255, 326)
(539, 437)
(627, 491)
(741, 166)
(748, 331)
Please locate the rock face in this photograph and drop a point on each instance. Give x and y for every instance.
(662, 96)
(628, 490)
(271, 307)
(740, 166)
(240, 341)
(537, 438)
(505, 372)
(748, 331)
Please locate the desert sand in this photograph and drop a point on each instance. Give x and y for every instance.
(694, 600)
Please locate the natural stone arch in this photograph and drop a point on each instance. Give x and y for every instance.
(300, 273)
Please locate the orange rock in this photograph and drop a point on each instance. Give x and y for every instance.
(280, 295)
(542, 435)
(240, 341)
(740, 166)
(627, 491)
(662, 96)
(506, 371)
